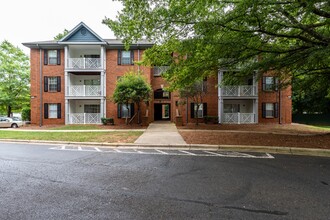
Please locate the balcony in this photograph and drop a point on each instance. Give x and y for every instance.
(238, 91)
(84, 63)
(239, 118)
(83, 90)
(84, 118)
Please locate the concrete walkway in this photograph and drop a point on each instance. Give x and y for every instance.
(161, 133)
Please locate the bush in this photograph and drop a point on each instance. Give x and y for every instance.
(211, 119)
(26, 114)
(106, 121)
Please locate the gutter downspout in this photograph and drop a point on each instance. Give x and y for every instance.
(40, 80)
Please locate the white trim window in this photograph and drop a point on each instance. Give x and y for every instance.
(52, 110)
(199, 111)
(270, 83)
(52, 84)
(52, 57)
(270, 110)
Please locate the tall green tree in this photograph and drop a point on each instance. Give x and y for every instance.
(290, 38)
(61, 35)
(14, 78)
(132, 88)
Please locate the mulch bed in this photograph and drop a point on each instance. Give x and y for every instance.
(293, 135)
(257, 139)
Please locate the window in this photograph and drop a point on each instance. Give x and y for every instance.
(92, 82)
(52, 84)
(201, 110)
(231, 108)
(52, 110)
(270, 110)
(125, 111)
(91, 108)
(125, 57)
(270, 83)
(52, 57)
(161, 94)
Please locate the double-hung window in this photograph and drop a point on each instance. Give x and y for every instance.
(52, 84)
(198, 110)
(270, 110)
(270, 83)
(125, 110)
(52, 110)
(52, 57)
(125, 57)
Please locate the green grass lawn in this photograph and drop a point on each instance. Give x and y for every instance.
(326, 127)
(109, 137)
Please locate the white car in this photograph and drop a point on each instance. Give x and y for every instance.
(6, 122)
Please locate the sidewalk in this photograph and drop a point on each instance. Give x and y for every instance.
(161, 133)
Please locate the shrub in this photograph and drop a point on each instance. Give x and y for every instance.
(211, 119)
(106, 121)
(26, 114)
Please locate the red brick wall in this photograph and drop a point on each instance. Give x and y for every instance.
(283, 97)
(48, 97)
(112, 72)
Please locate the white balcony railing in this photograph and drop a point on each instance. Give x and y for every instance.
(239, 91)
(239, 118)
(159, 70)
(84, 63)
(82, 90)
(84, 118)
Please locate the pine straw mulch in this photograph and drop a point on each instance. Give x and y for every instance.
(289, 135)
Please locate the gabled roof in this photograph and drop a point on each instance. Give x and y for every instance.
(81, 34)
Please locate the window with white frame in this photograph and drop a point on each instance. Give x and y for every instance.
(125, 111)
(199, 108)
(125, 57)
(52, 57)
(269, 108)
(270, 83)
(52, 84)
(52, 110)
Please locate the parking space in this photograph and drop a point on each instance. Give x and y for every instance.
(162, 151)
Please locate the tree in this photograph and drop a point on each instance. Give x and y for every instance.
(132, 88)
(14, 78)
(61, 35)
(289, 38)
(196, 92)
(310, 95)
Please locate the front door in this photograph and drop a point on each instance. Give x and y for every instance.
(162, 112)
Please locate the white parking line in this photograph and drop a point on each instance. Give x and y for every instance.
(171, 152)
(162, 152)
(186, 152)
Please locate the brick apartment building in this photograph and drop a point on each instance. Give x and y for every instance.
(73, 79)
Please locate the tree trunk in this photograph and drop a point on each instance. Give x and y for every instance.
(8, 111)
(139, 121)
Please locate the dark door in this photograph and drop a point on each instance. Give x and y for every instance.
(162, 112)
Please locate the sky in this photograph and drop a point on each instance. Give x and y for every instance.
(39, 20)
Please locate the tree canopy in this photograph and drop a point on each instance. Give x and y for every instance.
(61, 35)
(288, 37)
(132, 88)
(14, 78)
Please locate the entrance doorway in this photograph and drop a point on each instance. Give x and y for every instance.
(162, 112)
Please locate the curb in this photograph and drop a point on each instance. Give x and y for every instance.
(241, 148)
